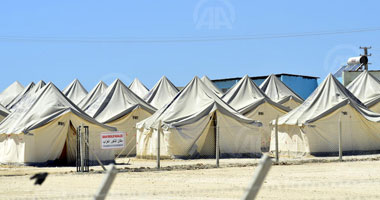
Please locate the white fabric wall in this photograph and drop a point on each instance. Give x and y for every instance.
(12, 148)
(128, 125)
(270, 114)
(358, 134)
(291, 104)
(46, 143)
(235, 138)
(238, 138)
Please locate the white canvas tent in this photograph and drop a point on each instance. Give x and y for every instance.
(39, 86)
(92, 95)
(3, 112)
(44, 130)
(189, 123)
(119, 107)
(278, 92)
(313, 127)
(247, 98)
(211, 86)
(75, 91)
(138, 88)
(366, 88)
(29, 90)
(162, 93)
(10, 93)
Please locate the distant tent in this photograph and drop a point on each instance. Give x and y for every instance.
(162, 93)
(313, 127)
(92, 95)
(366, 87)
(45, 131)
(247, 98)
(39, 86)
(24, 92)
(75, 91)
(138, 88)
(10, 93)
(3, 112)
(119, 107)
(211, 86)
(277, 91)
(29, 90)
(189, 124)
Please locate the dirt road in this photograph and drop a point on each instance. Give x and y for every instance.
(347, 180)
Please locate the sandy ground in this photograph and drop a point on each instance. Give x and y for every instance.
(357, 178)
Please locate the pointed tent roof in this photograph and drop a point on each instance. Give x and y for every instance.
(10, 93)
(366, 87)
(278, 91)
(138, 88)
(48, 104)
(117, 101)
(162, 93)
(193, 102)
(212, 86)
(329, 96)
(93, 95)
(31, 89)
(27, 89)
(39, 86)
(245, 96)
(75, 91)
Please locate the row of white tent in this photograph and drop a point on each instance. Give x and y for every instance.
(41, 123)
(41, 119)
(40, 109)
(332, 109)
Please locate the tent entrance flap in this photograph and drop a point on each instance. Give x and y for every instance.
(68, 154)
(207, 141)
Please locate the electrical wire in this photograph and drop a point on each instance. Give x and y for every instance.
(178, 39)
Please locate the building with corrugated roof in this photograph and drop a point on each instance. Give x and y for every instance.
(301, 84)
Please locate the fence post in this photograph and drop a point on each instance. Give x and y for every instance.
(81, 142)
(87, 147)
(78, 159)
(276, 140)
(258, 178)
(96, 157)
(340, 139)
(106, 184)
(217, 150)
(158, 144)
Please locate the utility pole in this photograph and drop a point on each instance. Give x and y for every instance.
(366, 54)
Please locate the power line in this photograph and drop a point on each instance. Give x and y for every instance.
(178, 39)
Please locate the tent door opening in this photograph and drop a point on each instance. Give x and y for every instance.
(208, 148)
(68, 154)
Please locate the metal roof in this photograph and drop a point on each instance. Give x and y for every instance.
(263, 77)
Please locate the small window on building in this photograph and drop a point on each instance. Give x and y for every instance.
(61, 123)
(135, 117)
(261, 113)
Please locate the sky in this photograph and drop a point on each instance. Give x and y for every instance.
(104, 40)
